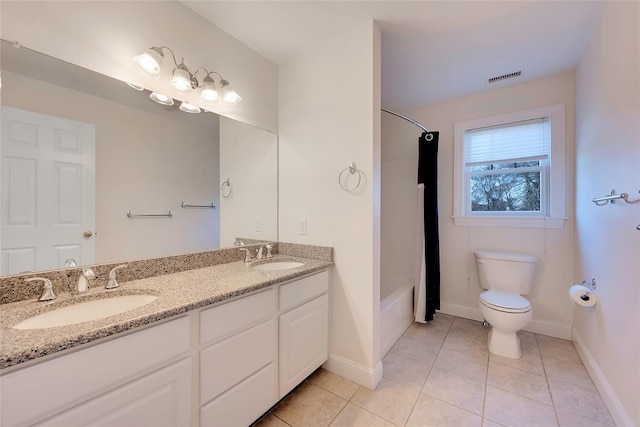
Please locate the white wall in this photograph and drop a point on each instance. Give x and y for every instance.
(146, 163)
(249, 155)
(608, 246)
(329, 108)
(104, 36)
(554, 247)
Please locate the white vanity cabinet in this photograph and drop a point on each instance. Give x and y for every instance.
(303, 329)
(238, 360)
(225, 365)
(143, 378)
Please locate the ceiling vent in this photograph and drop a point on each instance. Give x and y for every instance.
(504, 77)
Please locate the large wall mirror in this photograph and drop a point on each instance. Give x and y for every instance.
(80, 151)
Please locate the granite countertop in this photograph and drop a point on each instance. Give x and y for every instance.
(177, 293)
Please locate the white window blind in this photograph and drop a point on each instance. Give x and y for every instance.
(521, 141)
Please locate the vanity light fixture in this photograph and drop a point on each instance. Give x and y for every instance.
(161, 99)
(229, 95)
(150, 64)
(189, 108)
(209, 91)
(136, 87)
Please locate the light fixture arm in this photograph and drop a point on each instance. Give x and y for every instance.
(160, 51)
(208, 74)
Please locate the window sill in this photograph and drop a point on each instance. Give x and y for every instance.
(509, 222)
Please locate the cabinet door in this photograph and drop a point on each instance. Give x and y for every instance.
(304, 342)
(162, 398)
(60, 383)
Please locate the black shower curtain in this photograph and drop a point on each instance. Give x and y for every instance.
(428, 175)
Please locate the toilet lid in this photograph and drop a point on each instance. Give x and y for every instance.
(505, 301)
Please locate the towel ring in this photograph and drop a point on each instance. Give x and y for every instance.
(352, 170)
(227, 184)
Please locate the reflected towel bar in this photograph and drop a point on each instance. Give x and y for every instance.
(132, 215)
(184, 205)
(612, 197)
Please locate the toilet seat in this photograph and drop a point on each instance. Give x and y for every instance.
(505, 302)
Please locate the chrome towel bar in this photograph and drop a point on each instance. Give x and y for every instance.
(131, 215)
(184, 205)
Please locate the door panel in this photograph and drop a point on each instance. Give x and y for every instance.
(48, 191)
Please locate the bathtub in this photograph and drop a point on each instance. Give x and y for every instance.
(396, 314)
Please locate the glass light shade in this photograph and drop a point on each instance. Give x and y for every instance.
(181, 79)
(161, 99)
(229, 95)
(136, 87)
(189, 108)
(149, 62)
(209, 92)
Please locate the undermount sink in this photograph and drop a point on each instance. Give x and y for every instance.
(85, 311)
(278, 265)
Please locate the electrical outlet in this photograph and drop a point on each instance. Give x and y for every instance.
(302, 226)
(258, 227)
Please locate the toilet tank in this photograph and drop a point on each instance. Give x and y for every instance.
(506, 271)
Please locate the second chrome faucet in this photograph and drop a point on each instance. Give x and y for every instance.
(83, 281)
(259, 253)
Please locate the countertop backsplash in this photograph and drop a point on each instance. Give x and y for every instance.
(14, 288)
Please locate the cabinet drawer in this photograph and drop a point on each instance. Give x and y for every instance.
(244, 403)
(230, 361)
(162, 398)
(86, 372)
(220, 321)
(302, 290)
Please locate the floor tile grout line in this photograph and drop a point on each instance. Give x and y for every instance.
(428, 373)
(546, 377)
(379, 416)
(340, 411)
(486, 385)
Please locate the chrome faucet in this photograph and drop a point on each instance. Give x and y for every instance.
(266, 246)
(83, 280)
(47, 289)
(247, 254)
(113, 283)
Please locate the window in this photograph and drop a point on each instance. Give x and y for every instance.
(510, 170)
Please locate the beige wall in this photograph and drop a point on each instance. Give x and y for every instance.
(145, 163)
(554, 247)
(321, 132)
(104, 36)
(607, 243)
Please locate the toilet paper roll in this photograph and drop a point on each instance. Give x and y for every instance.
(583, 296)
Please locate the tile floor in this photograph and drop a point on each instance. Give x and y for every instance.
(441, 374)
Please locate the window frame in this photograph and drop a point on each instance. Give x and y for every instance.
(553, 189)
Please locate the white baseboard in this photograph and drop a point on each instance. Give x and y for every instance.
(350, 370)
(608, 395)
(536, 326)
(465, 312)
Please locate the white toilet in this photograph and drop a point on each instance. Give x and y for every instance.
(506, 276)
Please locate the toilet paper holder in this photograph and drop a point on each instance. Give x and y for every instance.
(591, 285)
(583, 294)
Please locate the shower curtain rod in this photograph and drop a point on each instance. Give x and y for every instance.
(406, 118)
